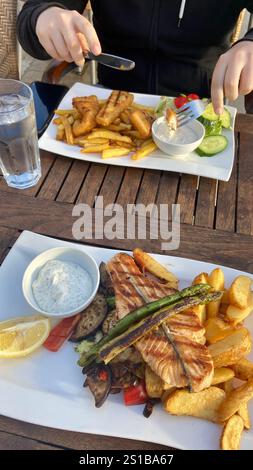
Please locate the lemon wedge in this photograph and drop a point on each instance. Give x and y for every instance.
(21, 336)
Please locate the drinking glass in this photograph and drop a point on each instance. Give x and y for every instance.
(19, 150)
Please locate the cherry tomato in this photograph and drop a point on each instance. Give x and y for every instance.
(192, 97)
(180, 101)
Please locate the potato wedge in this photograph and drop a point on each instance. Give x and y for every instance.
(204, 404)
(217, 329)
(95, 148)
(148, 263)
(243, 369)
(231, 349)
(244, 413)
(236, 315)
(154, 385)
(228, 386)
(216, 280)
(232, 433)
(144, 151)
(200, 310)
(234, 400)
(225, 298)
(223, 374)
(239, 291)
(114, 152)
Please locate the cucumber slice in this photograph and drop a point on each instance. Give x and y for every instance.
(212, 145)
(210, 115)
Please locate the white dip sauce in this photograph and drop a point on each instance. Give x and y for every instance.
(61, 286)
(184, 135)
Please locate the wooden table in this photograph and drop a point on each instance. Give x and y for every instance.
(217, 226)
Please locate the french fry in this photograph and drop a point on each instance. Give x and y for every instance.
(68, 130)
(66, 112)
(86, 143)
(144, 151)
(232, 433)
(234, 400)
(119, 127)
(95, 148)
(200, 310)
(223, 374)
(148, 263)
(111, 152)
(125, 117)
(243, 369)
(236, 315)
(239, 291)
(216, 280)
(204, 404)
(60, 134)
(231, 349)
(106, 134)
(217, 329)
(244, 413)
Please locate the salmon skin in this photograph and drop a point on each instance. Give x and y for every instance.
(132, 288)
(176, 351)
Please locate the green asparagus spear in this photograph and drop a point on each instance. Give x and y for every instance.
(133, 334)
(141, 313)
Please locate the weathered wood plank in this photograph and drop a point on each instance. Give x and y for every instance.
(149, 187)
(245, 186)
(92, 184)
(7, 237)
(187, 197)
(167, 191)
(12, 442)
(111, 184)
(55, 219)
(205, 207)
(130, 186)
(55, 178)
(226, 200)
(244, 123)
(70, 440)
(73, 182)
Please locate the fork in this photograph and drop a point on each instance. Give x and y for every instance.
(190, 111)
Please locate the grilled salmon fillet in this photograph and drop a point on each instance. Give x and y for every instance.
(180, 358)
(132, 288)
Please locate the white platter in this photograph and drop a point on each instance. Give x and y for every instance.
(46, 388)
(218, 167)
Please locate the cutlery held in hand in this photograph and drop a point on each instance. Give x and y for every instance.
(113, 61)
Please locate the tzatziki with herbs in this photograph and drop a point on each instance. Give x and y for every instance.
(61, 286)
(181, 136)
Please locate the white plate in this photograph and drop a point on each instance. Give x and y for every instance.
(219, 167)
(46, 388)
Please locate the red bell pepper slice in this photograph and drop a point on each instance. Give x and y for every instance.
(136, 394)
(60, 333)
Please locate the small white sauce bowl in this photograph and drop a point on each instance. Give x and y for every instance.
(73, 255)
(175, 149)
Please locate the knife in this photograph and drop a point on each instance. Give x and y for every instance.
(113, 61)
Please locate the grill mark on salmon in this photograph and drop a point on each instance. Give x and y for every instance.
(131, 286)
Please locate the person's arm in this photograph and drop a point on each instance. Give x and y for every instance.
(233, 74)
(57, 30)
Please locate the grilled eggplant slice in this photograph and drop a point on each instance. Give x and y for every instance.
(105, 280)
(109, 322)
(99, 381)
(91, 319)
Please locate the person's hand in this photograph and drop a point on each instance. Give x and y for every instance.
(65, 35)
(233, 75)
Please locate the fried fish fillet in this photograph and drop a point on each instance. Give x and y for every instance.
(132, 288)
(88, 108)
(117, 102)
(141, 121)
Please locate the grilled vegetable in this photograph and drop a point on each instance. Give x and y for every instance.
(119, 344)
(105, 279)
(91, 319)
(148, 410)
(109, 322)
(110, 302)
(60, 333)
(141, 313)
(135, 395)
(99, 382)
